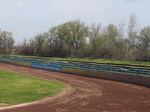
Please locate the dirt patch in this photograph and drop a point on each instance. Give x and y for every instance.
(86, 95)
(3, 104)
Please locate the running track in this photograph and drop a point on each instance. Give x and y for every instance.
(85, 94)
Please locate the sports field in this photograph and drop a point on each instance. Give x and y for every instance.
(85, 94)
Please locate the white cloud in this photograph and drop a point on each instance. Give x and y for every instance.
(21, 5)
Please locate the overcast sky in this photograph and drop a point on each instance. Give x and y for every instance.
(26, 18)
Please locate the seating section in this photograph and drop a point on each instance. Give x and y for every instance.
(98, 67)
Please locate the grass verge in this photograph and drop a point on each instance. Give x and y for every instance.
(17, 88)
(90, 60)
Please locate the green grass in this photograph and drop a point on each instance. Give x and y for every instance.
(90, 60)
(17, 88)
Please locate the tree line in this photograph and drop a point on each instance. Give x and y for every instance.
(6, 42)
(76, 39)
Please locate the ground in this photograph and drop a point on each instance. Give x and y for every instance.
(18, 88)
(85, 94)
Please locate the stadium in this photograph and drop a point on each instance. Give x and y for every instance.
(74, 56)
(91, 86)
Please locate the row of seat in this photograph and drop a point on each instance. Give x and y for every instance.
(83, 66)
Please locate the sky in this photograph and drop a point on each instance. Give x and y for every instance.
(26, 18)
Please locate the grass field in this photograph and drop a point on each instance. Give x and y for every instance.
(17, 88)
(91, 60)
